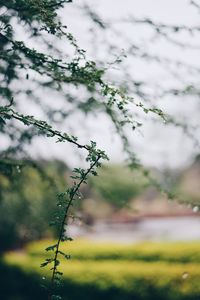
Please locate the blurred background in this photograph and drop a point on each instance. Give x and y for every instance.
(131, 240)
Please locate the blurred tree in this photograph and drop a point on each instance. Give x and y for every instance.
(27, 202)
(117, 185)
(188, 184)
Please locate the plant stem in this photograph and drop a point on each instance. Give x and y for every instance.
(72, 195)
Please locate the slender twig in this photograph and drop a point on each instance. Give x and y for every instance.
(72, 195)
(32, 121)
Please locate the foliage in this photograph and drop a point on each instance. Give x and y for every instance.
(125, 278)
(187, 185)
(49, 70)
(118, 185)
(174, 252)
(27, 202)
(19, 59)
(33, 66)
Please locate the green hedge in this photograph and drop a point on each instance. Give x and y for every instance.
(119, 279)
(110, 279)
(181, 252)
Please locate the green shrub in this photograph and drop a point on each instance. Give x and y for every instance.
(108, 271)
(119, 279)
(180, 252)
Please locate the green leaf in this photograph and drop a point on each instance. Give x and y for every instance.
(51, 248)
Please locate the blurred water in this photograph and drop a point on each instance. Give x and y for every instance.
(168, 228)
